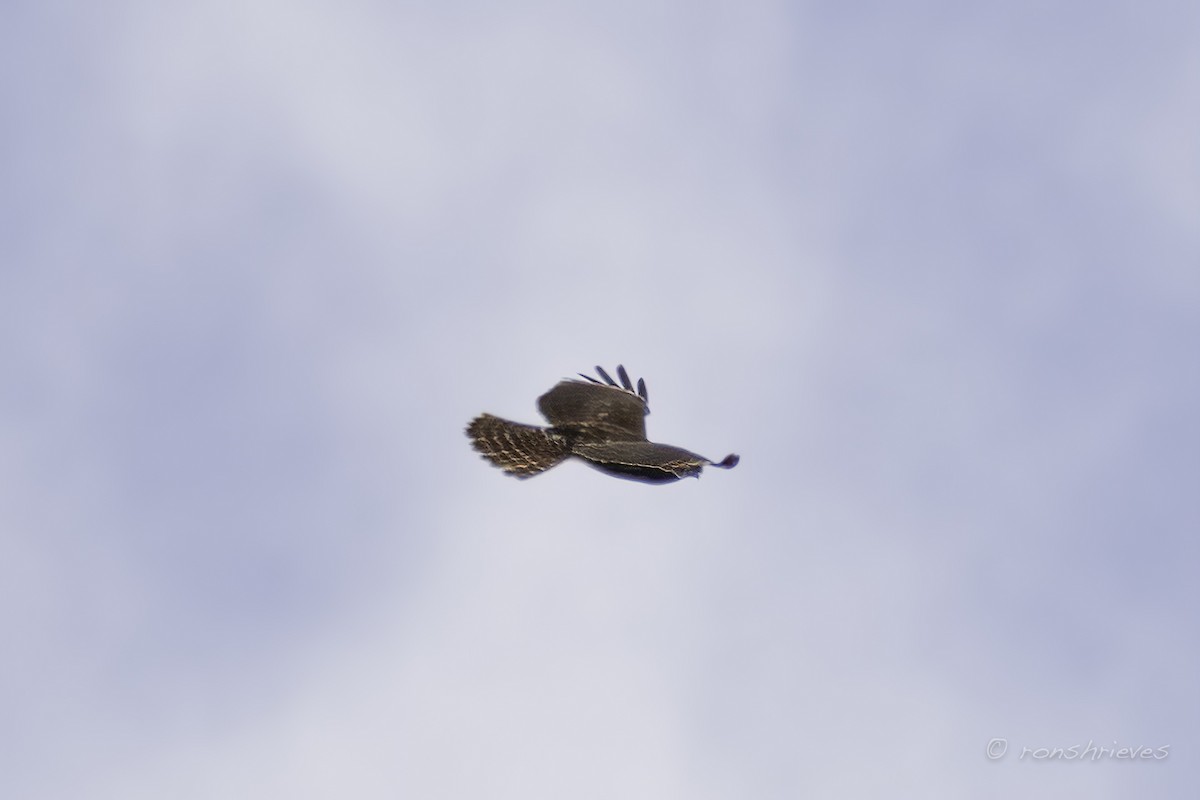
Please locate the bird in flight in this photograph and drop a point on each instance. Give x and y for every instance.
(602, 423)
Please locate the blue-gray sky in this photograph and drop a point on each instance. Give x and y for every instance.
(933, 270)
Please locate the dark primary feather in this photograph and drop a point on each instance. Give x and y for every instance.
(601, 423)
(624, 376)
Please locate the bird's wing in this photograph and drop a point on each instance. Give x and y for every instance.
(599, 411)
(642, 461)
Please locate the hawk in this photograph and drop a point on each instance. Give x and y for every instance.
(602, 423)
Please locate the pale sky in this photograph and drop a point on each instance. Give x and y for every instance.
(933, 270)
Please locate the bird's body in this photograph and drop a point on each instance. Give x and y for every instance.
(602, 423)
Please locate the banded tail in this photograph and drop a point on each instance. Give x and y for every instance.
(519, 450)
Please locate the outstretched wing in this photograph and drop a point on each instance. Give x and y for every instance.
(598, 412)
(642, 461)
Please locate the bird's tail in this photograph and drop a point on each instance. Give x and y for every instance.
(520, 450)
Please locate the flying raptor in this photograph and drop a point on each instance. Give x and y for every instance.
(603, 423)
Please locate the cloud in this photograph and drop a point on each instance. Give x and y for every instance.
(927, 279)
